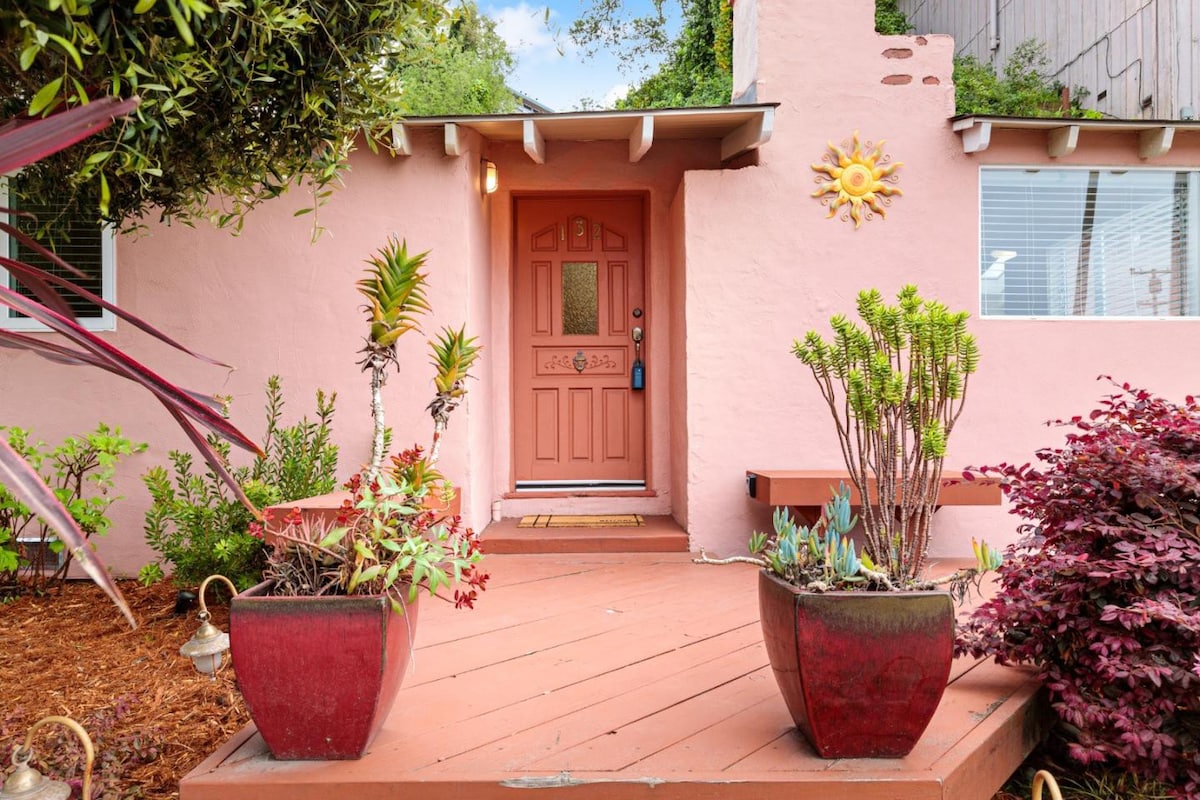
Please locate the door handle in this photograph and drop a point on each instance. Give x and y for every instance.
(636, 334)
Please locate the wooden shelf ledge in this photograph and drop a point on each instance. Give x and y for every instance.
(814, 487)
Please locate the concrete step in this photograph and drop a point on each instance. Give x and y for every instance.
(657, 535)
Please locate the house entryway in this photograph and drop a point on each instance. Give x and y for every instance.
(579, 381)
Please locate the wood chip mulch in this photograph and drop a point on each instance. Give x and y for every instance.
(152, 715)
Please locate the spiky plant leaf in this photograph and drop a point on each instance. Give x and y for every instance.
(395, 290)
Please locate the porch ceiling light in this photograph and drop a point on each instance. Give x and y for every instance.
(208, 645)
(489, 176)
(26, 783)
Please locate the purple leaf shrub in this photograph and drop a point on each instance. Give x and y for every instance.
(1102, 595)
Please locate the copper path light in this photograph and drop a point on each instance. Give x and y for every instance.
(26, 783)
(208, 645)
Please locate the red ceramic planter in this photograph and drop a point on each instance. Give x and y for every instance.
(319, 674)
(862, 672)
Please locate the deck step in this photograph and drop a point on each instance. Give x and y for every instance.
(656, 535)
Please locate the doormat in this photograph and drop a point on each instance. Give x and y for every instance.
(582, 521)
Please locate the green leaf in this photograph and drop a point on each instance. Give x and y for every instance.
(105, 194)
(69, 49)
(334, 536)
(28, 55)
(185, 30)
(45, 96)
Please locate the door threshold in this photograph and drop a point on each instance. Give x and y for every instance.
(598, 486)
(524, 494)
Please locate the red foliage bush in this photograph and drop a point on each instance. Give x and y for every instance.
(1102, 595)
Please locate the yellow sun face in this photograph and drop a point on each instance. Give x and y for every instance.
(859, 181)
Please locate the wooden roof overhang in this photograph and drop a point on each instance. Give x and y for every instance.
(739, 129)
(1154, 136)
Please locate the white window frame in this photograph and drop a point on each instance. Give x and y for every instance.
(106, 321)
(1193, 245)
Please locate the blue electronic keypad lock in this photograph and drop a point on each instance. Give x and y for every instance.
(637, 378)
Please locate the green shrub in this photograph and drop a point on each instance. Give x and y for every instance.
(80, 471)
(1024, 90)
(889, 19)
(197, 526)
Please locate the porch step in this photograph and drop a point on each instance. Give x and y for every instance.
(657, 535)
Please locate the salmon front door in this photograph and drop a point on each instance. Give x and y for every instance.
(577, 307)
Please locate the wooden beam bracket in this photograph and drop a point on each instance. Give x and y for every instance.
(1062, 141)
(749, 136)
(641, 138)
(535, 144)
(454, 145)
(1155, 142)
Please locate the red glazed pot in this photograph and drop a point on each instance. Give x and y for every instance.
(319, 674)
(862, 672)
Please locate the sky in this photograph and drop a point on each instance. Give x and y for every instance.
(550, 69)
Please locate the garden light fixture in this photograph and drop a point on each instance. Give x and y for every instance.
(208, 645)
(26, 783)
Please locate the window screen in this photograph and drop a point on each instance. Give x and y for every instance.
(1089, 243)
(83, 243)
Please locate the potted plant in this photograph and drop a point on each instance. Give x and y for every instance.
(860, 641)
(320, 647)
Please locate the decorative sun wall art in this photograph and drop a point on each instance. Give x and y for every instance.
(864, 182)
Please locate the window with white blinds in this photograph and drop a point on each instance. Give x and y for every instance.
(1089, 243)
(81, 242)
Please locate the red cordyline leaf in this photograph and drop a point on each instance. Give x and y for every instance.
(127, 367)
(32, 277)
(24, 141)
(23, 481)
(61, 354)
(34, 281)
(27, 240)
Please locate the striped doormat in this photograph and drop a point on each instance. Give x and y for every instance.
(582, 521)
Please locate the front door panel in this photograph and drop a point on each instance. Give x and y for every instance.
(578, 282)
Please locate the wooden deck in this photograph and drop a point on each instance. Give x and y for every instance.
(625, 676)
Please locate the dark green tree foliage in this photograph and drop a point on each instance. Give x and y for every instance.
(239, 98)
(699, 72)
(889, 19)
(457, 68)
(1024, 90)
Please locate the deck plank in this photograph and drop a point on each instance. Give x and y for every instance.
(625, 677)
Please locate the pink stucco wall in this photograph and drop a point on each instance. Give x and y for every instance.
(762, 257)
(271, 301)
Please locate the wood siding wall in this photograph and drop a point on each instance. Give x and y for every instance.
(1139, 59)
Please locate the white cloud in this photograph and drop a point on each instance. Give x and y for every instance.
(525, 30)
(614, 94)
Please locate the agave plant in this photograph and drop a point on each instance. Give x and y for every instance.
(395, 290)
(454, 353)
(24, 142)
(822, 557)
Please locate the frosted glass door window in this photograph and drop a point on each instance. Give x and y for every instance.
(580, 298)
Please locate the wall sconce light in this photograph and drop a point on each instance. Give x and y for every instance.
(208, 645)
(26, 783)
(489, 177)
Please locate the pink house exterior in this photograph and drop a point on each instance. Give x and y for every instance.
(739, 259)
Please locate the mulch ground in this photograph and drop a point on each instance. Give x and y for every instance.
(152, 715)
